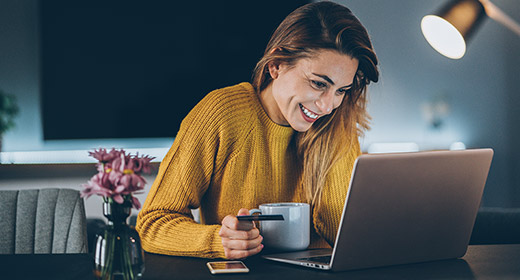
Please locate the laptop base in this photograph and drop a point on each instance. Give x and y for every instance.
(316, 258)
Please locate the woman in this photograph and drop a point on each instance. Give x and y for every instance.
(291, 135)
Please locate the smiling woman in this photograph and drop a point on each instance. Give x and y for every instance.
(298, 96)
(291, 135)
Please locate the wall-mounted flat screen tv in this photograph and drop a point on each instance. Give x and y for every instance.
(134, 69)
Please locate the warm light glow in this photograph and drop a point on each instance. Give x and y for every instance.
(398, 147)
(457, 146)
(443, 37)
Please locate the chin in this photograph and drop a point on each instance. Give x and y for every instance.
(301, 128)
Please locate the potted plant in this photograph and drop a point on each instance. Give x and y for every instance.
(118, 249)
(8, 111)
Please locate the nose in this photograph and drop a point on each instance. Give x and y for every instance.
(325, 102)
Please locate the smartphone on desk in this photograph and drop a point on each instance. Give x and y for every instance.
(227, 267)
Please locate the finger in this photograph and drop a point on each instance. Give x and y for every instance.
(244, 225)
(239, 234)
(229, 221)
(242, 254)
(243, 212)
(233, 223)
(241, 244)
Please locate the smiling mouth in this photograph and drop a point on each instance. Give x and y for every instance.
(308, 113)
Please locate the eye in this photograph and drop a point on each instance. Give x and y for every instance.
(318, 85)
(343, 91)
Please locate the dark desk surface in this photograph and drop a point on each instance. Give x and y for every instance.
(480, 262)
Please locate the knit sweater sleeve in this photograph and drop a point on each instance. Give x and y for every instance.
(328, 215)
(165, 223)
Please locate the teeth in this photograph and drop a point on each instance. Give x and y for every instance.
(307, 113)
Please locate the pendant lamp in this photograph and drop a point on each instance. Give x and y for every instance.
(449, 29)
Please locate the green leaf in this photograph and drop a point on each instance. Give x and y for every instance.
(8, 111)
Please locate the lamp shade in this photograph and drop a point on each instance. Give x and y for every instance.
(448, 30)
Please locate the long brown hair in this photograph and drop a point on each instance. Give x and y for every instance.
(313, 27)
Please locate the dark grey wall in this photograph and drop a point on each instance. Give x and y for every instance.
(480, 89)
(512, 70)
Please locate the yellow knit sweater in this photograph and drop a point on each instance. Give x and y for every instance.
(229, 155)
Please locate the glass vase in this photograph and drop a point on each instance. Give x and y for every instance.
(118, 254)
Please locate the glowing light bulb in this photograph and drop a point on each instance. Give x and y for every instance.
(443, 36)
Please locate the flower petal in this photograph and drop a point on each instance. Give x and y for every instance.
(136, 203)
(118, 198)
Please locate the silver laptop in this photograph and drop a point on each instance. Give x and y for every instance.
(404, 208)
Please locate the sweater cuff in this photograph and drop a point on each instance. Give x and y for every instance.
(216, 245)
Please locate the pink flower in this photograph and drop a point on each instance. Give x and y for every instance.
(144, 164)
(103, 156)
(134, 163)
(119, 176)
(98, 184)
(135, 202)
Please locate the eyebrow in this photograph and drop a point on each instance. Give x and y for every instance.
(326, 78)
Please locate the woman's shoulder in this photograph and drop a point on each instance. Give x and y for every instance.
(230, 105)
(232, 98)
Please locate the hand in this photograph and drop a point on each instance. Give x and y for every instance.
(240, 239)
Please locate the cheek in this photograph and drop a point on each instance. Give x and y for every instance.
(288, 92)
(338, 100)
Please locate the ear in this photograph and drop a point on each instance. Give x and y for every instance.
(278, 49)
(273, 69)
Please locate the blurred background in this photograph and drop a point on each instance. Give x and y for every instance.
(424, 101)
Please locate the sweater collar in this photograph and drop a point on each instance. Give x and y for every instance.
(272, 127)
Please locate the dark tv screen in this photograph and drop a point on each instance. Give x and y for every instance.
(134, 69)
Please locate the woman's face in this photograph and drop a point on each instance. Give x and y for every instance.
(310, 89)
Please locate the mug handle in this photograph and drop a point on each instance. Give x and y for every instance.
(256, 211)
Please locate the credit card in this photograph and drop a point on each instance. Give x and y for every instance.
(261, 218)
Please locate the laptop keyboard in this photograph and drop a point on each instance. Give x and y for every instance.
(318, 259)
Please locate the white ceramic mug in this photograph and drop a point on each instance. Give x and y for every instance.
(291, 234)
